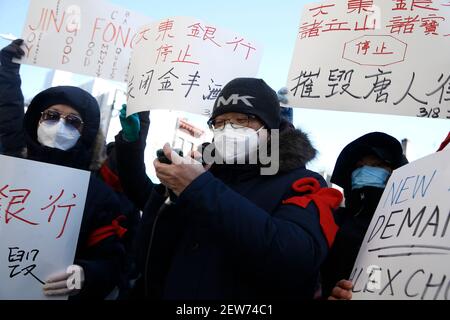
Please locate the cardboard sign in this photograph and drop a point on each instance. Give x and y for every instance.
(41, 208)
(406, 250)
(182, 64)
(377, 56)
(87, 37)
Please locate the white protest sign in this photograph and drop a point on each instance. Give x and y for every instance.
(41, 208)
(405, 253)
(373, 56)
(183, 63)
(87, 37)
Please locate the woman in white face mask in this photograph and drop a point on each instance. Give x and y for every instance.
(60, 127)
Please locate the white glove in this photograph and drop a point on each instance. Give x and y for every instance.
(65, 283)
(282, 95)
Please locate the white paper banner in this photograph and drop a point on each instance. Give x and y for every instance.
(183, 63)
(87, 37)
(41, 207)
(406, 250)
(376, 56)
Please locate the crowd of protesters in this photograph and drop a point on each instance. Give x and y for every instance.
(217, 229)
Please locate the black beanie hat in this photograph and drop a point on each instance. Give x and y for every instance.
(249, 96)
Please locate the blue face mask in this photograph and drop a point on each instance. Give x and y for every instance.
(367, 176)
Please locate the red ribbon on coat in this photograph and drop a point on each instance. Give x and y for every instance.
(110, 178)
(325, 199)
(107, 231)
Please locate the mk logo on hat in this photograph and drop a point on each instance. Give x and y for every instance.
(234, 99)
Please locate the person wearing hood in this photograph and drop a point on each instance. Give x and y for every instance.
(362, 169)
(61, 126)
(231, 232)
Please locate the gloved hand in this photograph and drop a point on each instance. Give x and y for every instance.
(282, 95)
(66, 283)
(130, 125)
(9, 52)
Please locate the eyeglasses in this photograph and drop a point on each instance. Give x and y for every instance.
(71, 119)
(237, 123)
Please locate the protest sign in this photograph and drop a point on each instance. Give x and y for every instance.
(405, 253)
(375, 56)
(41, 208)
(93, 38)
(182, 63)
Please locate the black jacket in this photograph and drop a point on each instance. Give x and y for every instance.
(228, 235)
(12, 139)
(353, 221)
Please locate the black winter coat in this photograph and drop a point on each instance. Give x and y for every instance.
(12, 139)
(228, 235)
(353, 221)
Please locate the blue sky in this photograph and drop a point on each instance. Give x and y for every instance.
(274, 24)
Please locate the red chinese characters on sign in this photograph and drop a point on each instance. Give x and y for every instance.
(406, 25)
(53, 204)
(375, 50)
(203, 32)
(169, 51)
(410, 16)
(411, 5)
(359, 6)
(13, 206)
(138, 37)
(164, 30)
(163, 52)
(309, 30)
(431, 23)
(403, 25)
(16, 204)
(248, 47)
(400, 5)
(314, 27)
(183, 56)
(381, 49)
(336, 25)
(363, 47)
(369, 23)
(320, 10)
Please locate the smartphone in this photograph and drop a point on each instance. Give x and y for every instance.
(162, 157)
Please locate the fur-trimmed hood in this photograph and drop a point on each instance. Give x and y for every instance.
(296, 149)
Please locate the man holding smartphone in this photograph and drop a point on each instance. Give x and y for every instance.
(232, 232)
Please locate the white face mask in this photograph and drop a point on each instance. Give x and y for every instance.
(57, 135)
(237, 145)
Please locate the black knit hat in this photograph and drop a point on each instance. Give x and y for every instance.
(249, 96)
